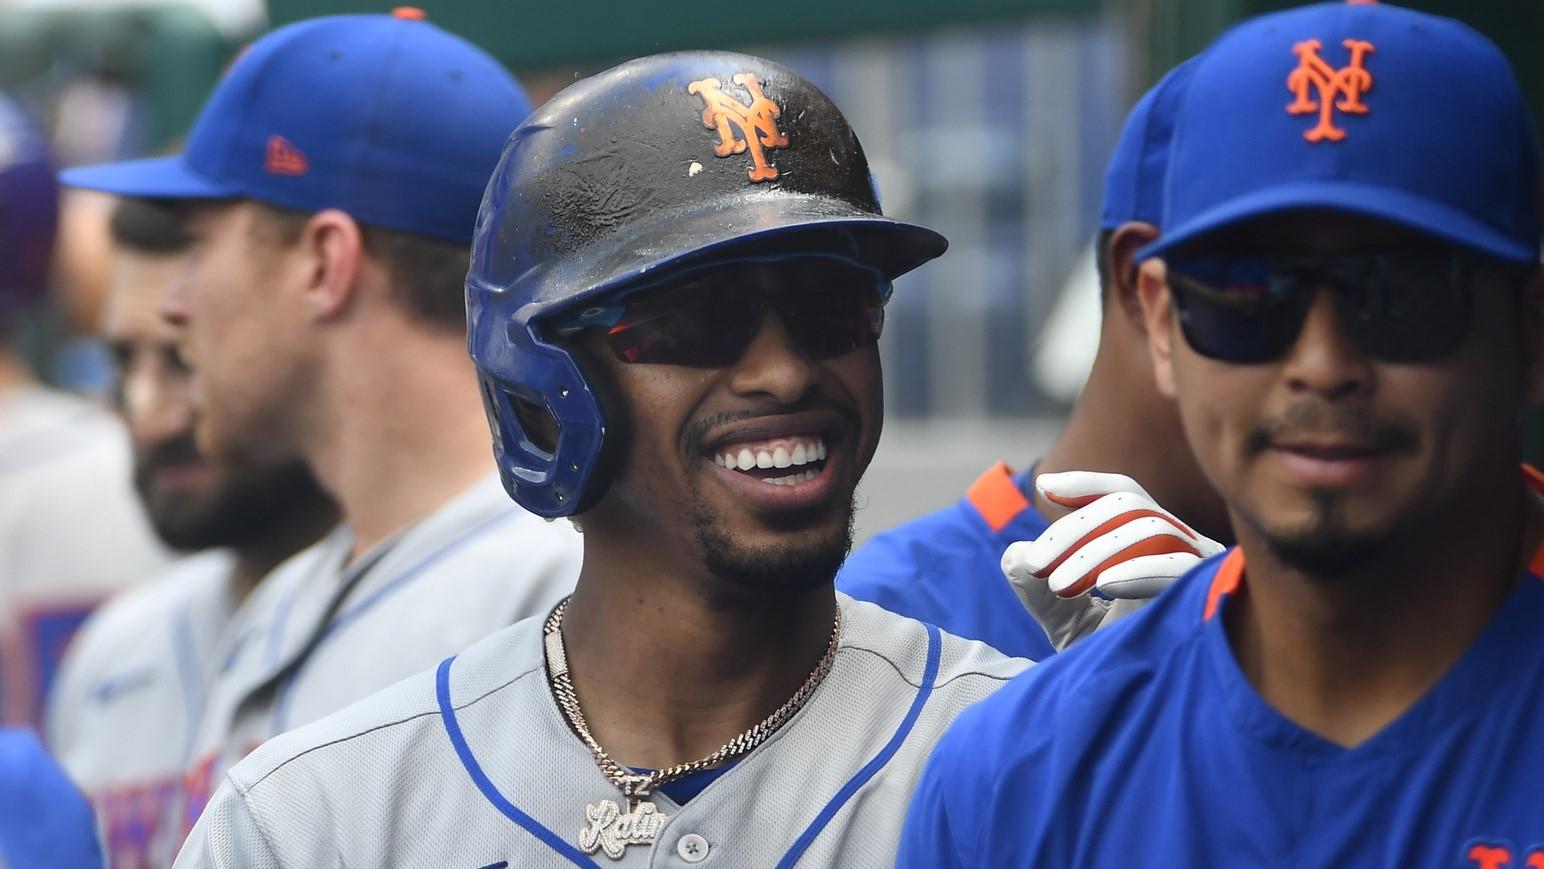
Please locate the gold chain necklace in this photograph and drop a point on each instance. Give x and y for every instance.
(609, 828)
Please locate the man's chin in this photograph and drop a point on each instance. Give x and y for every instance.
(797, 552)
(1328, 552)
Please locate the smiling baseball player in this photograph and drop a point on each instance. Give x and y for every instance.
(331, 185)
(1348, 310)
(677, 288)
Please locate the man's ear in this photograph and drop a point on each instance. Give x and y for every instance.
(1158, 314)
(1531, 312)
(1125, 241)
(332, 248)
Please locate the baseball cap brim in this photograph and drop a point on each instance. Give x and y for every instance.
(153, 178)
(1395, 206)
(745, 227)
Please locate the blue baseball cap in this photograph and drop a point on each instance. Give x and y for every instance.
(386, 117)
(1367, 109)
(1133, 182)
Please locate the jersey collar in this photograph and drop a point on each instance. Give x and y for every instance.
(1231, 572)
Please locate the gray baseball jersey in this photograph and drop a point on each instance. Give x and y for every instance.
(72, 532)
(128, 699)
(318, 634)
(472, 765)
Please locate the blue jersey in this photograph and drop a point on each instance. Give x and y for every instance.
(1146, 745)
(946, 567)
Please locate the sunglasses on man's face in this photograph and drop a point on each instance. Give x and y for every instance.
(1398, 307)
(829, 306)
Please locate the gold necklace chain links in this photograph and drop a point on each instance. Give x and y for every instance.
(636, 786)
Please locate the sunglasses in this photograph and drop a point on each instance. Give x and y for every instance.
(705, 318)
(1396, 307)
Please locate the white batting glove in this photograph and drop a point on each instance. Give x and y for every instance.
(1117, 539)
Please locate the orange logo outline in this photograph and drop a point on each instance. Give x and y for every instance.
(756, 121)
(1349, 83)
(283, 158)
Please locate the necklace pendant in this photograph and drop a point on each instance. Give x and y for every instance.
(611, 830)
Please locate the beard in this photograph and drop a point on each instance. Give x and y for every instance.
(244, 505)
(1326, 548)
(809, 560)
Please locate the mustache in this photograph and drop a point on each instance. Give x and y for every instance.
(696, 431)
(1316, 419)
(176, 451)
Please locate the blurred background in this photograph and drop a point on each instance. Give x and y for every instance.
(989, 120)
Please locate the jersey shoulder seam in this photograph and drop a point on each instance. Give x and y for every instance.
(389, 724)
(917, 683)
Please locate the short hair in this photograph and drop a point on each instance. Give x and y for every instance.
(153, 226)
(1102, 261)
(428, 275)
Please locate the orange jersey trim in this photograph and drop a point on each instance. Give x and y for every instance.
(996, 497)
(1231, 572)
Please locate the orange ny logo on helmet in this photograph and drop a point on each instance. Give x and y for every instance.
(1348, 83)
(756, 122)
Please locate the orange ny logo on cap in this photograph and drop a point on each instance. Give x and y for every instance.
(283, 158)
(756, 120)
(1348, 83)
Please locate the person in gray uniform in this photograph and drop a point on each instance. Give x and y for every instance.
(677, 286)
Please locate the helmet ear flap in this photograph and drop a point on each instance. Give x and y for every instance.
(550, 434)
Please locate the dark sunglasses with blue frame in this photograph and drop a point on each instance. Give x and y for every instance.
(1405, 306)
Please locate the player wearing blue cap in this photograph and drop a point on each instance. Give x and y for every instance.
(947, 568)
(331, 187)
(1348, 310)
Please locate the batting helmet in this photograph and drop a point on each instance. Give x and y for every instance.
(661, 164)
(29, 207)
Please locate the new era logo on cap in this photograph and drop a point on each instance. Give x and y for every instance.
(283, 158)
(385, 117)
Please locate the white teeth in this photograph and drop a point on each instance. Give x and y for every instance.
(803, 453)
(791, 479)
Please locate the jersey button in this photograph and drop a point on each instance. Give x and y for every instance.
(692, 848)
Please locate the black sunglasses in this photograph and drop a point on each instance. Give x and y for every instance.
(1412, 306)
(830, 306)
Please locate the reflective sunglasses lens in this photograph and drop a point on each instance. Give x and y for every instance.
(691, 325)
(836, 318)
(829, 307)
(1409, 308)
(1237, 310)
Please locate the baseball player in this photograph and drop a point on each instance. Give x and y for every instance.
(332, 183)
(1346, 306)
(677, 285)
(45, 822)
(71, 529)
(947, 568)
(131, 689)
